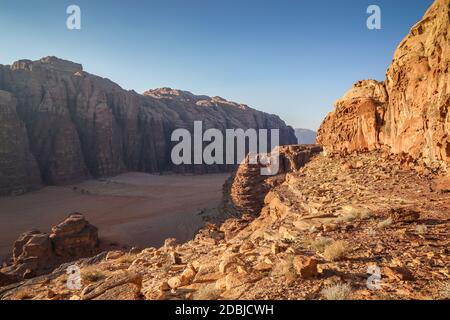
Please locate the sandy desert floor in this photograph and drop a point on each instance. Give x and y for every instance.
(136, 209)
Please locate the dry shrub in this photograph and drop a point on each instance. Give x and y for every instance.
(338, 291)
(91, 275)
(385, 223)
(320, 244)
(335, 251)
(207, 292)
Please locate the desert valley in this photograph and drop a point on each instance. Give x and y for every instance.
(360, 211)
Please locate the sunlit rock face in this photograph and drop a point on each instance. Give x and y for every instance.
(409, 111)
(417, 119)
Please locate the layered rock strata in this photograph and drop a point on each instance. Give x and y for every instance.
(408, 113)
(36, 253)
(60, 124)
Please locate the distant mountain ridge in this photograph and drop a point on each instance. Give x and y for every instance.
(305, 136)
(60, 124)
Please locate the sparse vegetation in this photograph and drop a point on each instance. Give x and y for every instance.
(320, 244)
(207, 292)
(92, 275)
(349, 217)
(422, 229)
(371, 232)
(127, 258)
(335, 251)
(340, 291)
(352, 213)
(385, 223)
(445, 291)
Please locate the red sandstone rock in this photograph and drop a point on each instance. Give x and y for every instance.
(249, 187)
(36, 253)
(409, 112)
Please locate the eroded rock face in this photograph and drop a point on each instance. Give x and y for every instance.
(355, 123)
(74, 237)
(409, 112)
(417, 119)
(249, 186)
(19, 171)
(82, 126)
(36, 253)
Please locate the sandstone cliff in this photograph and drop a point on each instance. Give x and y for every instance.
(408, 113)
(76, 125)
(19, 168)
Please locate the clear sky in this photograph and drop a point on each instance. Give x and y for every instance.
(293, 58)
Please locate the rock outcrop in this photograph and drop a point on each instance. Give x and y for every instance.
(356, 122)
(37, 253)
(80, 125)
(249, 187)
(409, 112)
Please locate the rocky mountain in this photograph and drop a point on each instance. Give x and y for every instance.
(408, 113)
(366, 219)
(305, 136)
(60, 124)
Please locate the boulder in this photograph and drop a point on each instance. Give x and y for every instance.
(306, 267)
(74, 238)
(36, 253)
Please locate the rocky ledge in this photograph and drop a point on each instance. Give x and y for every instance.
(36, 253)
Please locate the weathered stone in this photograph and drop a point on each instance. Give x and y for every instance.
(404, 215)
(36, 253)
(306, 266)
(249, 187)
(398, 273)
(123, 286)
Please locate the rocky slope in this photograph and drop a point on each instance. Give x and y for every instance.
(321, 231)
(69, 125)
(409, 111)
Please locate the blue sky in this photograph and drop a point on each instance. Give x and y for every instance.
(293, 58)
